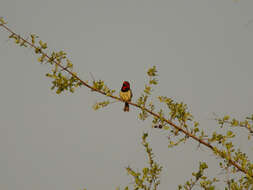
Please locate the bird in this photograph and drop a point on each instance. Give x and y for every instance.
(126, 95)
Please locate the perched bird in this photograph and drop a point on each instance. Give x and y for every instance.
(126, 94)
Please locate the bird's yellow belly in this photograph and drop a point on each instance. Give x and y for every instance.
(125, 96)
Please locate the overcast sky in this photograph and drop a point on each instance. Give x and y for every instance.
(203, 53)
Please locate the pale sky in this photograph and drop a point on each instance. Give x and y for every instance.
(203, 53)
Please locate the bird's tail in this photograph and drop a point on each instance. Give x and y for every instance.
(126, 108)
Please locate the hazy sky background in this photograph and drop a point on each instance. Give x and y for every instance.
(202, 50)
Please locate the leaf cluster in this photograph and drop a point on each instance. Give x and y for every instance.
(149, 178)
(199, 179)
(247, 123)
(143, 99)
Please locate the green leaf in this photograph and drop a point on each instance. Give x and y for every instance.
(225, 118)
(152, 71)
(230, 134)
(2, 21)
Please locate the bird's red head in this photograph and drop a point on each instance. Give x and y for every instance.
(125, 86)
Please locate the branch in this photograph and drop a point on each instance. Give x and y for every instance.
(188, 134)
(246, 124)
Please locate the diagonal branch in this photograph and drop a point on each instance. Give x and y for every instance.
(201, 141)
